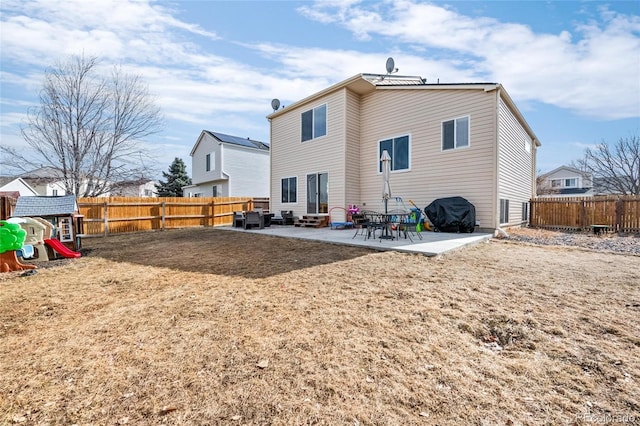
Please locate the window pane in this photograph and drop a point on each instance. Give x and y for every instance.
(208, 167)
(462, 132)
(323, 192)
(504, 211)
(401, 153)
(320, 121)
(388, 146)
(284, 190)
(447, 134)
(293, 190)
(312, 194)
(307, 125)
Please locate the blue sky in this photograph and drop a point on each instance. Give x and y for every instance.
(572, 67)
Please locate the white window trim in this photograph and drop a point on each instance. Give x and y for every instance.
(297, 193)
(313, 136)
(563, 182)
(571, 186)
(408, 169)
(455, 135)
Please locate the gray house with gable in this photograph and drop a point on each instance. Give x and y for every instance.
(228, 166)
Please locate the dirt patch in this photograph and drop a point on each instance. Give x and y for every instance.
(207, 250)
(218, 328)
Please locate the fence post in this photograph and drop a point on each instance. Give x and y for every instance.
(213, 213)
(583, 215)
(162, 212)
(619, 213)
(106, 218)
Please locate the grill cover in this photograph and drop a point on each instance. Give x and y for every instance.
(452, 214)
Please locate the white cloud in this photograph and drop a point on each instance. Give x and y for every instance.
(594, 70)
(41, 31)
(591, 68)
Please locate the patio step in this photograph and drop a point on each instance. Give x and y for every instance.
(312, 221)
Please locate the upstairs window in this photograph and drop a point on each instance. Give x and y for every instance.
(398, 149)
(210, 161)
(314, 123)
(455, 133)
(571, 183)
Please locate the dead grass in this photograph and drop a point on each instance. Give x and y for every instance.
(214, 327)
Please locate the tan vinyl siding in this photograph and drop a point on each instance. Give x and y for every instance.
(515, 166)
(291, 157)
(466, 172)
(352, 151)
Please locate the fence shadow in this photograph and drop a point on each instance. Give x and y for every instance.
(211, 251)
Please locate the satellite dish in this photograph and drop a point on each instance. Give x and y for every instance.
(275, 104)
(391, 66)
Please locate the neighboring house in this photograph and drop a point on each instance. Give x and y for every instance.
(14, 184)
(228, 166)
(135, 188)
(445, 140)
(565, 181)
(46, 181)
(49, 181)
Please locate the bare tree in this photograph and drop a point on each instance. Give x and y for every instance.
(89, 127)
(616, 168)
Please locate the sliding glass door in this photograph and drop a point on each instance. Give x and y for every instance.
(318, 193)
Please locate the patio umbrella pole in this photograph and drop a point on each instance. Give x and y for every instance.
(385, 158)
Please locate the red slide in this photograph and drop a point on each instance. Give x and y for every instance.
(58, 247)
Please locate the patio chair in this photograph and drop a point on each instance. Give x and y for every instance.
(287, 217)
(359, 223)
(252, 218)
(373, 222)
(238, 219)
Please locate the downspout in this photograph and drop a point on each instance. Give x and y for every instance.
(270, 166)
(496, 170)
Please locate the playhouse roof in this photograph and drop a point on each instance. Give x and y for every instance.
(45, 206)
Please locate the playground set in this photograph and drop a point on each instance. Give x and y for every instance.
(40, 229)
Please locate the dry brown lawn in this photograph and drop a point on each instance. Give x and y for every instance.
(203, 326)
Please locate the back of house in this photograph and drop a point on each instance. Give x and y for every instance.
(444, 140)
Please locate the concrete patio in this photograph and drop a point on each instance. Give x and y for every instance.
(431, 244)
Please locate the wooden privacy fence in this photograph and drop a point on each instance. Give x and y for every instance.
(113, 215)
(620, 213)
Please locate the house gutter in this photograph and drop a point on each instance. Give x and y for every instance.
(321, 93)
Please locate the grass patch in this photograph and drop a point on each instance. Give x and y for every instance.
(246, 329)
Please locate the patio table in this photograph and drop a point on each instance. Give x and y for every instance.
(388, 220)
